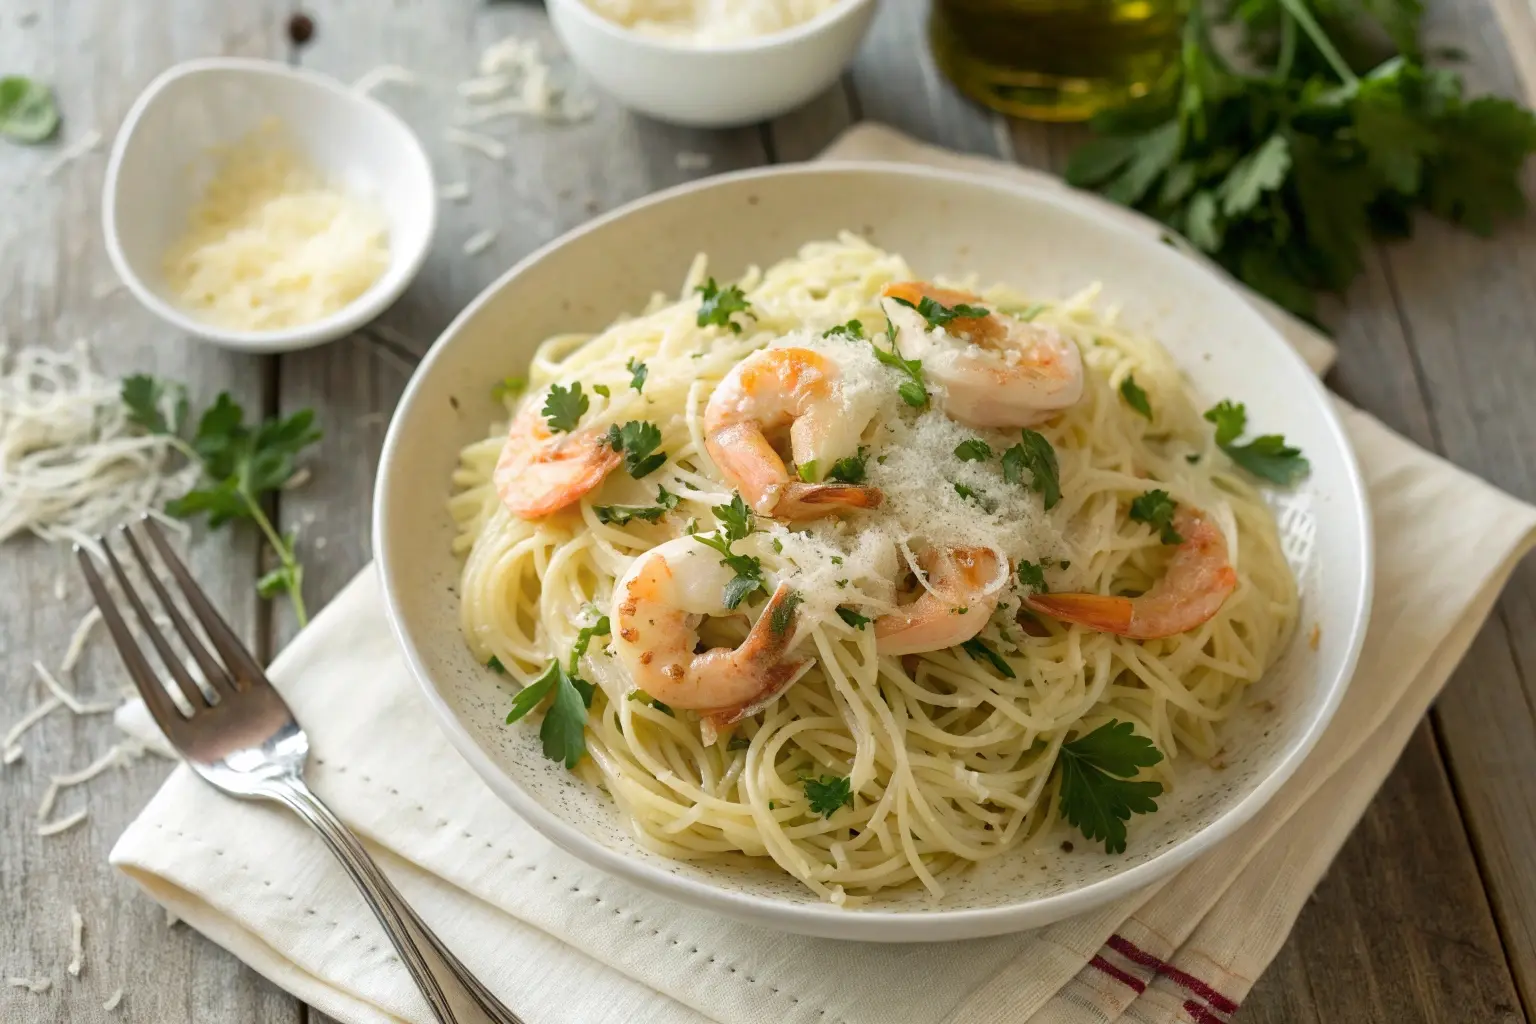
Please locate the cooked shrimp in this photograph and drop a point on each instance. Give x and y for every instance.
(541, 471)
(964, 585)
(767, 391)
(657, 608)
(1197, 582)
(1003, 372)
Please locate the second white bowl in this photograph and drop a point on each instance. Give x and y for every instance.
(717, 86)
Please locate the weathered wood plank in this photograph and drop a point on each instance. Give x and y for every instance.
(1400, 928)
(1470, 314)
(52, 264)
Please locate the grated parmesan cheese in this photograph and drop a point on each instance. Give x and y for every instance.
(482, 144)
(709, 22)
(64, 824)
(514, 79)
(37, 986)
(479, 242)
(271, 245)
(384, 74)
(112, 1000)
(76, 942)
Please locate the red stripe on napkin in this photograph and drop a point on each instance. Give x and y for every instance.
(1140, 956)
(1124, 977)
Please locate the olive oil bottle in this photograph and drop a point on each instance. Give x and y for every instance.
(1056, 60)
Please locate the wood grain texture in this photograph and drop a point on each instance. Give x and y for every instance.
(52, 265)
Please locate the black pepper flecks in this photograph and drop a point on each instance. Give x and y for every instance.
(301, 29)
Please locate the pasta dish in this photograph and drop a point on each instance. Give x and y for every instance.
(871, 576)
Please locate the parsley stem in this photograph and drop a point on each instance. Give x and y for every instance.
(284, 555)
(1298, 10)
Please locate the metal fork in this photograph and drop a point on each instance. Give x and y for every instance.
(242, 738)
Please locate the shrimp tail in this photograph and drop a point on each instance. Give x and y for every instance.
(1104, 613)
(766, 643)
(809, 501)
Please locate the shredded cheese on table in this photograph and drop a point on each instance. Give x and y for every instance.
(272, 245)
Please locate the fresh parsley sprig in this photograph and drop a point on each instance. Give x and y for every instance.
(1032, 577)
(735, 524)
(828, 793)
(638, 440)
(618, 515)
(1284, 175)
(852, 617)
(912, 389)
(637, 373)
(563, 731)
(27, 111)
(1034, 455)
(973, 450)
(1156, 509)
(241, 464)
(565, 406)
(853, 330)
(1098, 795)
(1135, 397)
(939, 315)
(850, 470)
(979, 651)
(1267, 457)
(718, 305)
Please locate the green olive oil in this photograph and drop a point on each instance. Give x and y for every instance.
(1056, 60)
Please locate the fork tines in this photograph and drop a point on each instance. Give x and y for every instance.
(234, 668)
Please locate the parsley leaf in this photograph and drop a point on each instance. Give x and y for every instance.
(563, 731)
(973, 450)
(719, 304)
(495, 665)
(736, 523)
(736, 517)
(849, 470)
(1267, 456)
(584, 639)
(807, 471)
(1032, 576)
(738, 743)
(1097, 794)
(912, 390)
(508, 387)
(618, 515)
(852, 617)
(642, 697)
(637, 372)
(1134, 396)
(27, 110)
(638, 439)
(1156, 509)
(828, 793)
(241, 463)
(853, 330)
(939, 315)
(782, 616)
(564, 407)
(748, 579)
(1035, 455)
(979, 651)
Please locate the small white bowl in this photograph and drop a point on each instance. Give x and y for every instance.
(714, 86)
(162, 161)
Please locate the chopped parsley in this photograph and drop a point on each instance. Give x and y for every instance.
(1032, 576)
(1031, 311)
(828, 793)
(562, 731)
(852, 617)
(496, 666)
(719, 304)
(738, 743)
(602, 389)
(853, 330)
(807, 471)
(27, 111)
(1134, 396)
(1156, 509)
(979, 651)
(939, 315)
(584, 639)
(1035, 455)
(564, 407)
(736, 523)
(974, 450)
(782, 618)
(618, 515)
(912, 389)
(1097, 793)
(849, 470)
(508, 387)
(638, 439)
(637, 371)
(1267, 456)
(641, 697)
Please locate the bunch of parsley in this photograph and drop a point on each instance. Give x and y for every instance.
(1285, 174)
(241, 463)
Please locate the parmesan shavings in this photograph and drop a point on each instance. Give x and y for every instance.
(514, 79)
(454, 192)
(76, 942)
(482, 144)
(37, 986)
(479, 242)
(71, 464)
(112, 1000)
(64, 824)
(384, 74)
(118, 756)
(74, 703)
(11, 745)
(271, 244)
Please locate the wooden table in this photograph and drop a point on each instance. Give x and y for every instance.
(1429, 913)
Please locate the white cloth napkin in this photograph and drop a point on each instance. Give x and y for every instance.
(559, 941)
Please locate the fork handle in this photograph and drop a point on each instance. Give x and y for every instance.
(454, 995)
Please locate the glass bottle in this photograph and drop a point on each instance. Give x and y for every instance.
(1056, 60)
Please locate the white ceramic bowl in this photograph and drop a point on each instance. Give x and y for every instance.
(943, 222)
(161, 163)
(718, 86)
